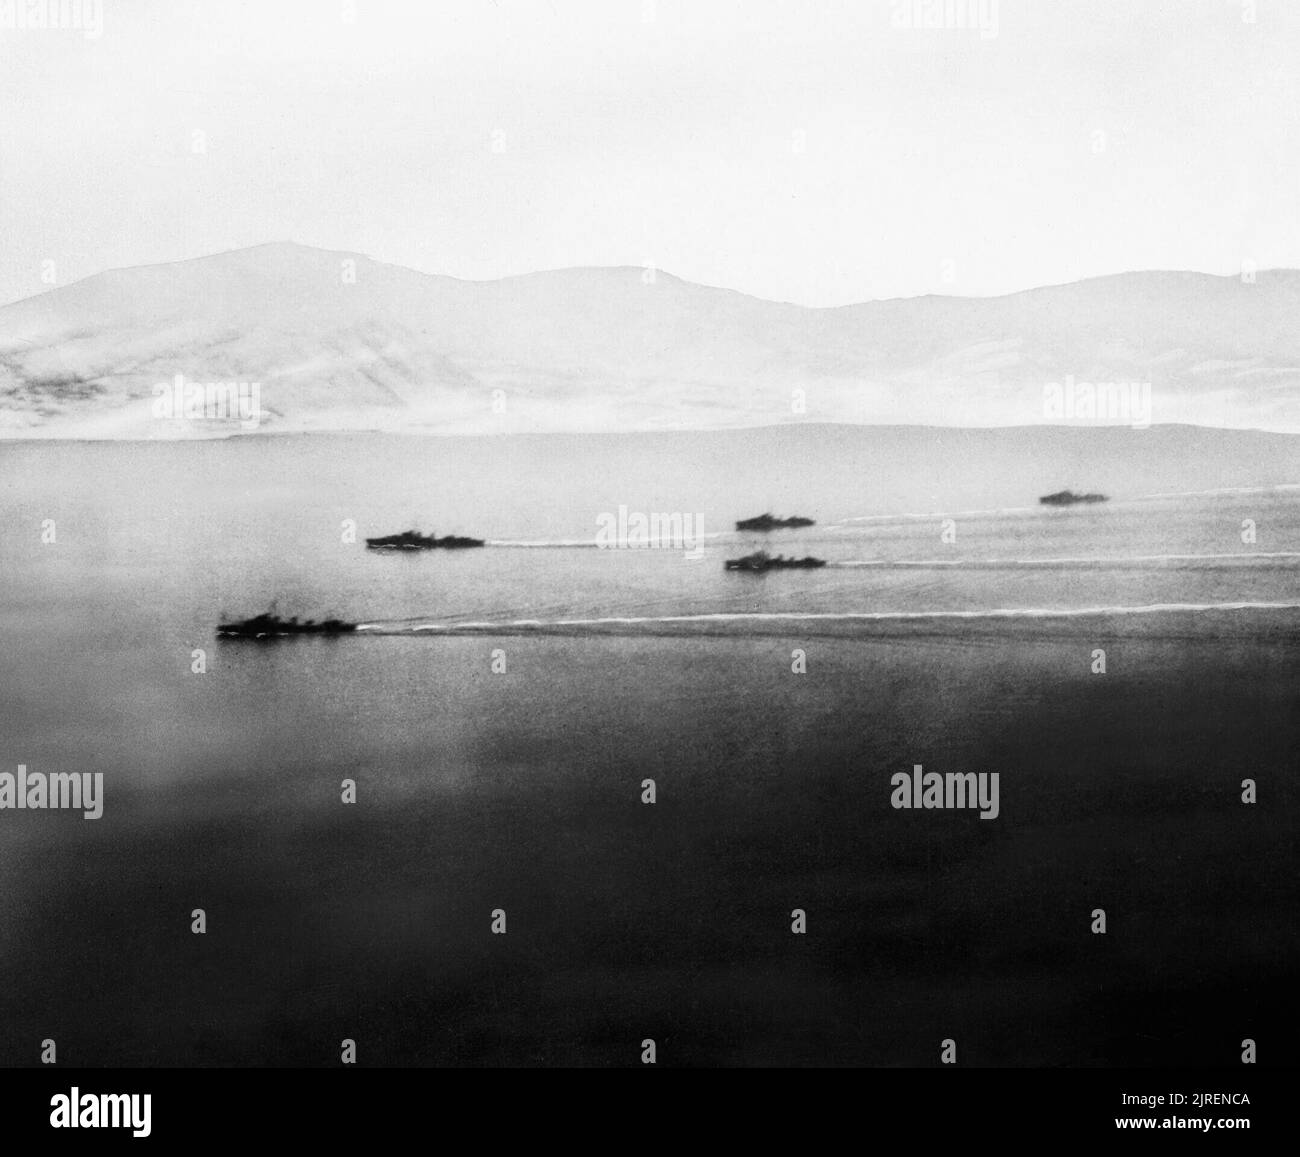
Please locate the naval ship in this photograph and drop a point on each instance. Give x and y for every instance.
(268, 626)
(761, 561)
(768, 522)
(414, 540)
(1069, 498)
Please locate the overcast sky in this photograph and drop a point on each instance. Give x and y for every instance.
(804, 151)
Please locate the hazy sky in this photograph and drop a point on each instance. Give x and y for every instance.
(798, 150)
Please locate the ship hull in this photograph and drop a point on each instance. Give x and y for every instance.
(759, 568)
(763, 525)
(438, 544)
(274, 630)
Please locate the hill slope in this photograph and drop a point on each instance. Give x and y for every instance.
(337, 341)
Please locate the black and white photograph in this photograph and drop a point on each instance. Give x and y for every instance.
(641, 534)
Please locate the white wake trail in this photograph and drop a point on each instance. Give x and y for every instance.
(507, 626)
(1050, 563)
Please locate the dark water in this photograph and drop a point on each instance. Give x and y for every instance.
(521, 790)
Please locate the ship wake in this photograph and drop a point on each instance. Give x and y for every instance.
(1178, 616)
(1101, 562)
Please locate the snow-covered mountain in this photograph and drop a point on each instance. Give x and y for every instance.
(338, 341)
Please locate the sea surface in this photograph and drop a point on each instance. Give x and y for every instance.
(500, 710)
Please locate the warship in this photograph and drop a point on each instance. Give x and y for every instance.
(414, 540)
(768, 522)
(269, 626)
(761, 561)
(1069, 498)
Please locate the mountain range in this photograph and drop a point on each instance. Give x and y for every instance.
(337, 341)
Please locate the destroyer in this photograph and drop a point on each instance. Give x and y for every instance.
(1069, 498)
(761, 561)
(414, 540)
(768, 522)
(269, 626)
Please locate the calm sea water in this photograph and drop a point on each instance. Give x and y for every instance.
(521, 789)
